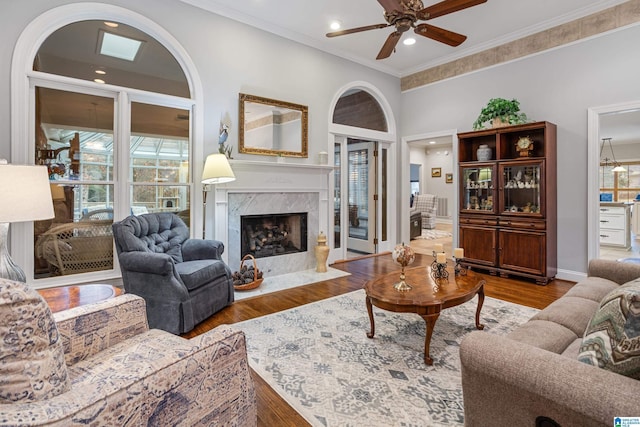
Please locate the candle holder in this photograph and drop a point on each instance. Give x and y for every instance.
(458, 269)
(439, 270)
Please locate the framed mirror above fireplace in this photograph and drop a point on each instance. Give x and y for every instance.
(273, 128)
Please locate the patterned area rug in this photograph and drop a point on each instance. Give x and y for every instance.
(433, 234)
(318, 358)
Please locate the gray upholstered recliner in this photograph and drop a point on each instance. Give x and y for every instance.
(183, 281)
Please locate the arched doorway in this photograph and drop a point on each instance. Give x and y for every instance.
(363, 134)
(91, 113)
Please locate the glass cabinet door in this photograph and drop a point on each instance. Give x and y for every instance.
(522, 188)
(478, 194)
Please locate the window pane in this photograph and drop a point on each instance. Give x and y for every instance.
(160, 160)
(74, 51)
(336, 197)
(75, 141)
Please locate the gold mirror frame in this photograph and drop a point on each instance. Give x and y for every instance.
(246, 146)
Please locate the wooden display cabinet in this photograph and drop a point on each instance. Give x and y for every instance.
(508, 216)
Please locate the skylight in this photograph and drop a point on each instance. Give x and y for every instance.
(119, 46)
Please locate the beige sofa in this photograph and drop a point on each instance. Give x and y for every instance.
(534, 371)
(122, 373)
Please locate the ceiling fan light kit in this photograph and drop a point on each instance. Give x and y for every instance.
(405, 14)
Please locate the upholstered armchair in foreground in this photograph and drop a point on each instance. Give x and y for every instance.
(427, 205)
(183, 281)
(100, 365)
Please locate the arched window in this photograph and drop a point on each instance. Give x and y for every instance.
(113, 113)
(358, 108)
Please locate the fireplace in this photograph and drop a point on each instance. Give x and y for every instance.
(273, 234)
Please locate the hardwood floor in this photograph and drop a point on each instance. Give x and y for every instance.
(272, 409)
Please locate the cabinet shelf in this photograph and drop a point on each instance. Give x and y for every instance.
(508, 204)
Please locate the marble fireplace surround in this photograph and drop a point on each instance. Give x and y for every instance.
(273, 188)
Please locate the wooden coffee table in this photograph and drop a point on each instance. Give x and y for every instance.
(427, 298)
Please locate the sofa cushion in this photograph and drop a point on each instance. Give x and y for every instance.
(593, 288)
(32, 365)
(196, 273)
(571, 312)
(612, 339)
(573, 349)
(544, 334)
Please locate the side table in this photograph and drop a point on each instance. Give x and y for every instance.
(415, 228)
(65, 297)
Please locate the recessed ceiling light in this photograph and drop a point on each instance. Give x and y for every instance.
(432, 142)
(99, 81)
(101, 72)
(409, 41)
(335, 25)
(111, 24)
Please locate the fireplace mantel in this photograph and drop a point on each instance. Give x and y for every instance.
(308, 185)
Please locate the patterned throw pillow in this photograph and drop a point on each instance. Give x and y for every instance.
(32, 365)
(612, 339)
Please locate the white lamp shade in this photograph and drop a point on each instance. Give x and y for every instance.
(217, 170)
(25, 194)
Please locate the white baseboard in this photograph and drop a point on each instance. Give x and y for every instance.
(572, 276)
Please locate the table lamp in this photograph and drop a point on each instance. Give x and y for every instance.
(25, 196)
(217, 170)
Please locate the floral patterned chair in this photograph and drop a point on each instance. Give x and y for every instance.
(100, 365)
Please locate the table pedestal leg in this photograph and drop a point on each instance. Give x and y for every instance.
(480, 302)
(371, 322)
(430, 320)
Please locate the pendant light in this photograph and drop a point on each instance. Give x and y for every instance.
(616, 166)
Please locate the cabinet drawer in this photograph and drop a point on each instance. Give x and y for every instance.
(612, 237)
(479, 221)
(616, 210)
(523, 224)
(616, 222)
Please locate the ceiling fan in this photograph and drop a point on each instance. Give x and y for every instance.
(404, 15)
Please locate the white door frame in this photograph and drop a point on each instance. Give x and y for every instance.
(339, 134)
(593, 171)
(405, 187)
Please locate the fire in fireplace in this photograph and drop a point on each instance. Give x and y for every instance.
(273, 234)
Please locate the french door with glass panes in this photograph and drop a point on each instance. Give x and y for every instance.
(361, 196)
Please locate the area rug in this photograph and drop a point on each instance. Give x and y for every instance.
(433, 234)
(318, 358)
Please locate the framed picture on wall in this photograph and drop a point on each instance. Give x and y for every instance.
(436, 172)
(448, 177)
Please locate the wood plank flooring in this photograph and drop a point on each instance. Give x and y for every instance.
(272, 409)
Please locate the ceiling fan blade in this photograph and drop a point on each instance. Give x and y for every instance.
(356, 30)
(391, 5)
(440, 34)
(389, 45)
(446, 7)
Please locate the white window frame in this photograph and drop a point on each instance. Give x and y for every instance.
(23, 83)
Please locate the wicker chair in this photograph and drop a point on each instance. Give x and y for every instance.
(77, 247)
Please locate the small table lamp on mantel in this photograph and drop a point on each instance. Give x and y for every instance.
(26, 196)
(217, 170)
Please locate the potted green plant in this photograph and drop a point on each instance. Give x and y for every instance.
(500, 112)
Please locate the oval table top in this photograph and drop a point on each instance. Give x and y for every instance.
(426, 290)
(65, 297)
